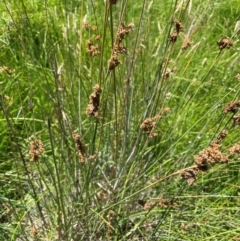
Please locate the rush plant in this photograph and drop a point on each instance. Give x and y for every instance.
(119, 120)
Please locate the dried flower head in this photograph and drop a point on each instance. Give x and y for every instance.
(148, 126)
(35, 150)
(166, 111)
(92, 49)
(178, 26)
(119, 49)
(186, 44)
(94, 28)
(86, 25)
(97, 37)
(210, 155)
(164, 203)
(206, 157)
(110, 218)
(235, 149)
(221, 136)
(122, 31)
(113, 62)
(169, 72)
(94, 101)
(190, 175)
(79, 146)
(224, 43)
(148, 205)
(173, 37)
(236, 120)
(232, 107)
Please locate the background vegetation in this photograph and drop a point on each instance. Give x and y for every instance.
(108, 109)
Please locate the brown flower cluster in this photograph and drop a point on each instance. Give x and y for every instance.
(204, 158)
(92, 50)
(178, 28)
(148, 126)
(173, 37)
(164, 203)
(118, 48)
(110, 219)
(35, 150)
(168, 69)
(169, 72)
(79, 146)
(213, 154)
(236, 120)
(210, 155)
(232, 107)
(221, 136)
(86, 26)
(190, 175)
(186, 44)
(235, 149)
(113, 62)
(123, 30)
(94, 101)
(224, 43)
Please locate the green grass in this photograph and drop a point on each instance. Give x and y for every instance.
(46, 78)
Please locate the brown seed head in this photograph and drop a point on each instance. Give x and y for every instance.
(210, 155)
(235, 149)
(113, 62)
(94, 101)
(119, 49)
(173, 37)
(178, 26)
(232, 107)
(35, 150)
(86, 26)
(186, 44)
(122, 31)
(92, 49)
(236, 120)
(224, 43)
(79, 146)
(221, 136)
(189, 175)
(148, 126)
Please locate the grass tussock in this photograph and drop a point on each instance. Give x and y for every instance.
(119, 120)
